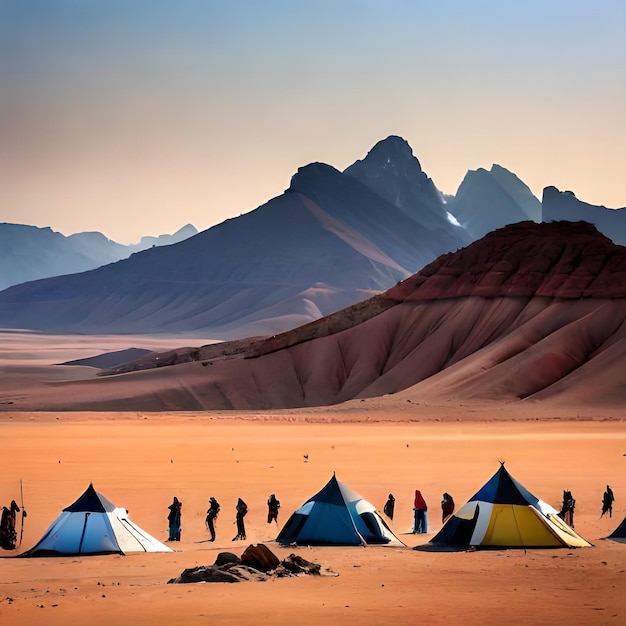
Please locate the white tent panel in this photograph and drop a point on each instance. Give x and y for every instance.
(482, 523)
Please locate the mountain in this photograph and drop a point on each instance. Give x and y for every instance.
(30, 253)
(189, 230)
(486, 200)
(564, 205)
(530, 312)
(328, 241)
(391, 170)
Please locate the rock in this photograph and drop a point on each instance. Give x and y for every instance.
(266, 566)
(226, 557)
(206, 574)
(248, 573)
(260, 557)
(297, 565)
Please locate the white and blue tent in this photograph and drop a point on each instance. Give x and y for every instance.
(94, 525)
(336, 515)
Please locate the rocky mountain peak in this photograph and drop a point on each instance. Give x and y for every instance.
(392, 171)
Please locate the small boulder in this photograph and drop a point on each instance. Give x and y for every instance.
(297, 565)
(260, 557)
(225, 558)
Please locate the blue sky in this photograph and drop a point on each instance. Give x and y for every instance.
(135, 117)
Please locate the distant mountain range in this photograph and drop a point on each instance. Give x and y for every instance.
(331, 239)
(30, 253)
(529, 312)
(564, 205)
(328, 241)
(487, 200)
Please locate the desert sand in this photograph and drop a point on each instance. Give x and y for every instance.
(141, 460)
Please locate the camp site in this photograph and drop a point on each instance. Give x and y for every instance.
(111, 488)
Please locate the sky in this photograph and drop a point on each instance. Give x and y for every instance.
(136, 117)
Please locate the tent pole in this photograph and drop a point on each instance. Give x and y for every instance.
(82, 536)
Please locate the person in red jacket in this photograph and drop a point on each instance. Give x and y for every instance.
(420, 519)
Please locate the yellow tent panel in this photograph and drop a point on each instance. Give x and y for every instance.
(517, 526)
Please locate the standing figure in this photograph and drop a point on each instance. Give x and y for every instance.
(211, 516)
(242, 510)
(420, 519)
(447, 507)
(567, 508)
(173, 519)
(272, 509)
(390, 505)
(607, 502)
(8, 534)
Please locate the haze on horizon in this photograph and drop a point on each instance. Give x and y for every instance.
(134, 117)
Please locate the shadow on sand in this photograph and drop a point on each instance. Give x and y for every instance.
(433, 547)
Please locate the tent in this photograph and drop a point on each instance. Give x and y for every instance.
(94, 525)
(619, 534)
(503, 514)
(339, 516)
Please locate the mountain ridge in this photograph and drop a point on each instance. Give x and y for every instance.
(325, 243)
(440, 336)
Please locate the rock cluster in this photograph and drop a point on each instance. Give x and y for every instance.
(257, 563)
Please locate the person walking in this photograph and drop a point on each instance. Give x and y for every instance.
(567, 508)
(389, 507)
(447, 506)
(211, 516)
(174, 519)
(242, 511)
(272, 509)
(607, 502)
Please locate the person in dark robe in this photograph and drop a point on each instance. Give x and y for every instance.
(420, 517)
(211, 516)
(607, 502)
(390, 505)
(447, 506)
(174, 519)
(8, 534)
(567, 508)
(272, 509)
(242, 510)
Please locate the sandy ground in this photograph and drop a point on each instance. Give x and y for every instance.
(393, 444)
(141, 461)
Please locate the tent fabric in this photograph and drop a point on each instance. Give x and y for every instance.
(91, 501)
(504, 514)
(336, 515)
(619, 534)
(94, 525)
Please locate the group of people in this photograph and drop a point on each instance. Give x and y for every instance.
(569, 504)
(175, 514)
(420, 518)
(8, 533)
(420, 509)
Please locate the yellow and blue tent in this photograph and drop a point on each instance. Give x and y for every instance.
(504, 514)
